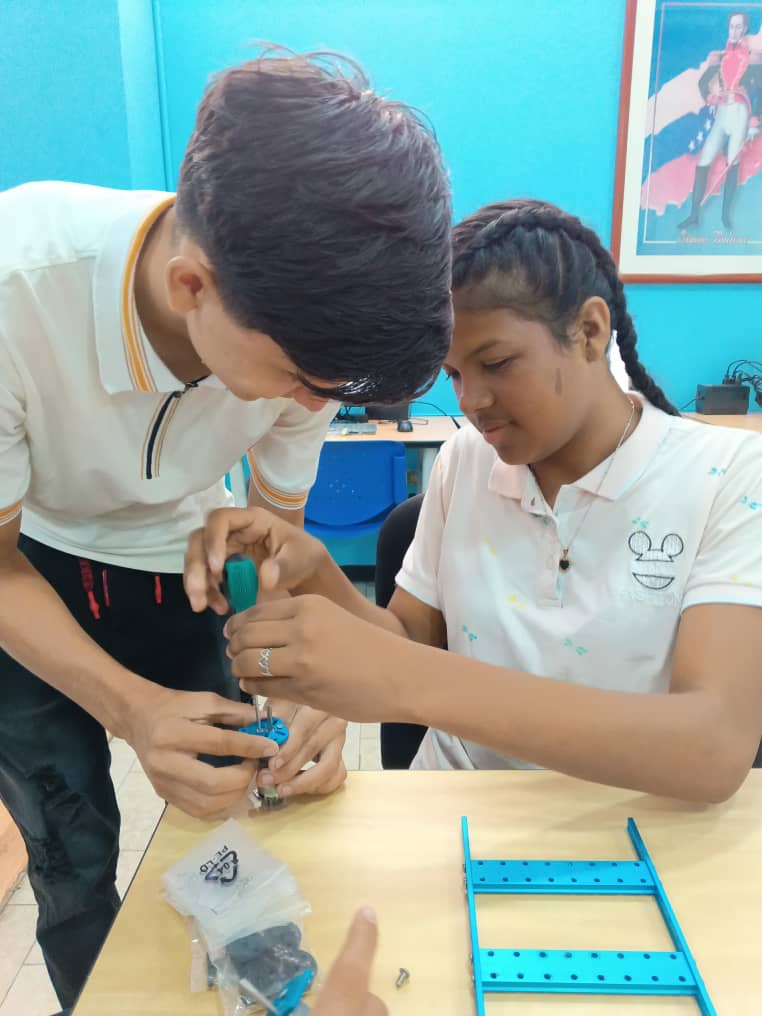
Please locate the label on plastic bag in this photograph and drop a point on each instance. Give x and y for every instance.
(233, 887)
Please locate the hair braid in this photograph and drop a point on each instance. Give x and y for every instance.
(626, 339)
(543, 263)
(626, 336)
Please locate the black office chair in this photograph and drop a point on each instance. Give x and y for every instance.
(399, 741)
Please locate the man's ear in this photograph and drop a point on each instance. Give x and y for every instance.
(189, 281)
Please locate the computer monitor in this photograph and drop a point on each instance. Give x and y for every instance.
(374, 411)
(400, 411)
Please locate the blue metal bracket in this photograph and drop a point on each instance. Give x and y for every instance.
(605, 972)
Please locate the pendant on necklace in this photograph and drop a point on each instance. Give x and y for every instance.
(564, 564)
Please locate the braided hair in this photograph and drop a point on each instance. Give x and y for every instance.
(543, 264)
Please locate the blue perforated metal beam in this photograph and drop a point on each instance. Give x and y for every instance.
(584, 972)
(559, 877)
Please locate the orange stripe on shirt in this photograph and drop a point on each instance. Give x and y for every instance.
(278, 497)
(10, 513)
(137, 363)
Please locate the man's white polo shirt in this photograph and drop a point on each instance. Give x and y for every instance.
(677, 522)
(108, 454)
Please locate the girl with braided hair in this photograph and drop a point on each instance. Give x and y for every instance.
(591, 560)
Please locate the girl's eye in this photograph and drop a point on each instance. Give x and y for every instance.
(452, 375)
(498, 365)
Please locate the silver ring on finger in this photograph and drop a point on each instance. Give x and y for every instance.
(264, 662)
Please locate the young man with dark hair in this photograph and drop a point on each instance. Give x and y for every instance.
(147, 342)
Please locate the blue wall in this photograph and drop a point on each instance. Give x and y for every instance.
(143, 110)
(79, 93)
(61, 93)
(524, 98)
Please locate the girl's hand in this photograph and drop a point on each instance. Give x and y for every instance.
(320, 655)
(314, 736)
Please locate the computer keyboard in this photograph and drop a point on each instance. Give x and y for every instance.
(344, 428)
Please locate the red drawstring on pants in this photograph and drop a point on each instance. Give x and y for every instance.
(86, 573)
(88, 584)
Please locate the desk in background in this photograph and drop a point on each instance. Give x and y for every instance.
(430, 432)
(392, 840)
(427, 435)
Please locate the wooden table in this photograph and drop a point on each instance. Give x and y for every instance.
(746, 421)
(392, 839)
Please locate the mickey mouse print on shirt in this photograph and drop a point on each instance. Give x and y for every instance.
(654, 567)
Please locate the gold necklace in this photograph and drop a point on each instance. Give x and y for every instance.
(564, 562)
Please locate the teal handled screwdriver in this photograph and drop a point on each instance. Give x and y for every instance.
(239, 586)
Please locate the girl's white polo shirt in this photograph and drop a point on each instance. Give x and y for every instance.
(677, 522)
(110, 456)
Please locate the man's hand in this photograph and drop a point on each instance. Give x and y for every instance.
(284, 554)
(313, 736)
(346, 987)
(169, 729)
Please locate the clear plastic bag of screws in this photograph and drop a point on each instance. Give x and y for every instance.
(246, 914)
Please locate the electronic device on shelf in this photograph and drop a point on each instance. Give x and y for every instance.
(731, 398)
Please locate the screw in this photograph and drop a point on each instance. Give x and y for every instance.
(402, 977)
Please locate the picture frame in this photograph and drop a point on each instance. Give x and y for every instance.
(691, 99)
